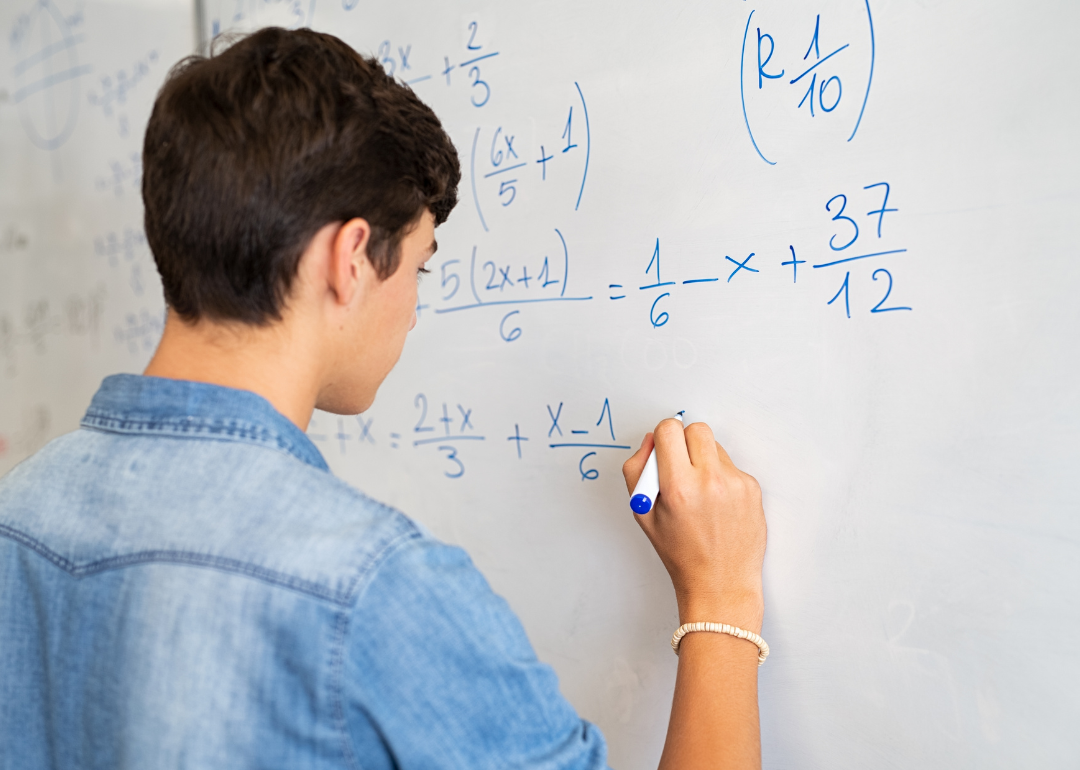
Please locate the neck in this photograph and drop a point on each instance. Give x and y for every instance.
(277, 362)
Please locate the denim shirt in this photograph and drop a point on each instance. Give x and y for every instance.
(184, 584)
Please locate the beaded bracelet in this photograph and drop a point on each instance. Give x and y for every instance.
(721, 628)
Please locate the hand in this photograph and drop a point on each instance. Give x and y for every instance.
(707, 525)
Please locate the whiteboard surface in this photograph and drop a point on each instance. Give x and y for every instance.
(79, 294)
(923, 538)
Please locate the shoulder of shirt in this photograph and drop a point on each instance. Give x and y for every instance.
(240, 508)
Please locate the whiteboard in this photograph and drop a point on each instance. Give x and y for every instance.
(896, 363)
(79, 294)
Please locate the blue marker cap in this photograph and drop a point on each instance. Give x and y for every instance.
(640, 504)
(648, 483)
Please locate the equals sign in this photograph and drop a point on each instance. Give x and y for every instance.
(393, 440)
(616, 286)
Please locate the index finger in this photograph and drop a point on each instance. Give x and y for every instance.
(672, 456)
(633, 467)
(725, 459)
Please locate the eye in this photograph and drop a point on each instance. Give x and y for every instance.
(420, 273)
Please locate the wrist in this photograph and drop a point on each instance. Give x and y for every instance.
(744, 611)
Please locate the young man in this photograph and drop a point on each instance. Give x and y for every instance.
(183, 583)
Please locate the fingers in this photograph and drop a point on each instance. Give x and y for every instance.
(678, 450)
(732, 471)
(672, 458)
(701, 446)
(722, 455)
(632, 468)
(726, 461)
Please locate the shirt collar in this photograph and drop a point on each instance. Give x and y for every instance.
(132, 403)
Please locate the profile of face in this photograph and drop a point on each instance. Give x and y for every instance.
(373, 324)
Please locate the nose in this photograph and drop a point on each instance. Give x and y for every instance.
(413, 324)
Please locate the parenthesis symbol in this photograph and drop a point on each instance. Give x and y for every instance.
(472, 176)
(588, 149)
(742, 92)
(472, 277)
(566, 262)
(870, 79)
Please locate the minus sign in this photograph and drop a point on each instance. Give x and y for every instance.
(417, 80)
(579, 431)
(701, 280)
(621, 296)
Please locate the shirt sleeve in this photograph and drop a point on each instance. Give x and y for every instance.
(439, 673)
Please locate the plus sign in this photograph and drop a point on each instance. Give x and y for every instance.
(543, 163)
(794, 262)
(445, 420)
(518, 438)
(341, 435)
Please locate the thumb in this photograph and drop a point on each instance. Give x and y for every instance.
(632, 468)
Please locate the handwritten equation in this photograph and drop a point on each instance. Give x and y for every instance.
(507, 284)
(805, 76)
(127, 250)
(48, 70)
(111, 95)
(446, 433)
(123, 178)
(742, 268)
(504, 169)
(464, 70)
(79, 315)
(501, 167)
(252, 14)
(859, 224)
(140, 331)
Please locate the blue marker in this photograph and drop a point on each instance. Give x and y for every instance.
(648, 485)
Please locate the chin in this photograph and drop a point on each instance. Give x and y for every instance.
(346, 403)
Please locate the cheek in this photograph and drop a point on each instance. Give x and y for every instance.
(414, 300)
(400, 304)
(406, 302)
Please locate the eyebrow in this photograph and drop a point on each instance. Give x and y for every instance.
(433, 248)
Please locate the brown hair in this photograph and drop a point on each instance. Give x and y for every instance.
(250, 152)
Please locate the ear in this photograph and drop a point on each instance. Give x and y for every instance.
(349, 268)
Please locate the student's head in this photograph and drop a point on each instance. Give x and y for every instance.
(289, 175)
